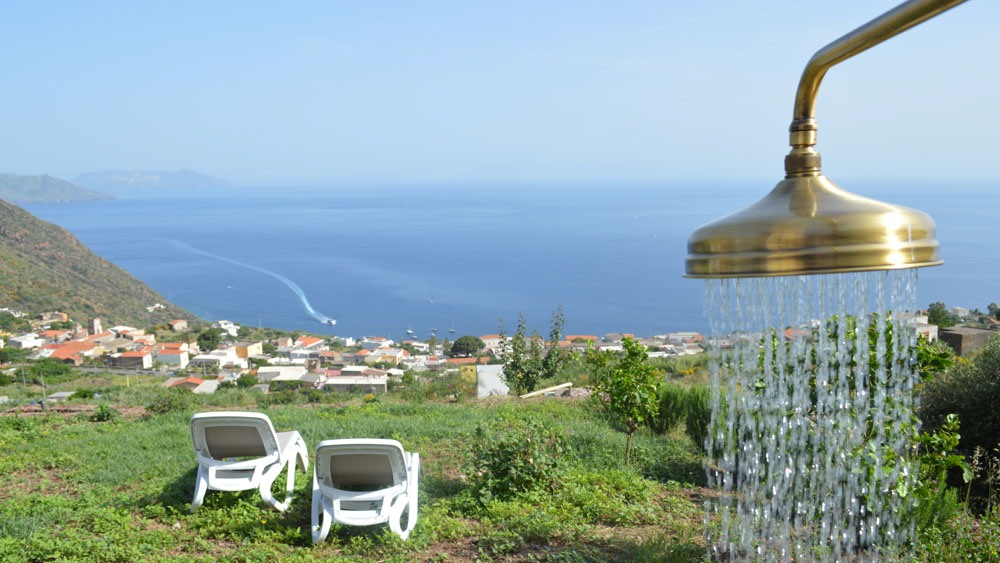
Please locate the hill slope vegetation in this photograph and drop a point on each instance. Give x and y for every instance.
(43, 267)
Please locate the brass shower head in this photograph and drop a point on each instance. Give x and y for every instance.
(807, 224)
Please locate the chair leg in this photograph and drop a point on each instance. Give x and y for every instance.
(407, 502)
(266, 482)
(290, 484)
(320, 517)
(200, 487)
(303, 454)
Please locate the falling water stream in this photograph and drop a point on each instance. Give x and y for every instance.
(811, 415)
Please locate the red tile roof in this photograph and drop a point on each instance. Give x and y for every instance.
(135, 353)
(53, 332)
(463, 361)
(61, 354)
(194, 380)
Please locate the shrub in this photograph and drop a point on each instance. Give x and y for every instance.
(84, 393)
(172, 400)
(936, 503)
(514, 453)
(971, 390)
(50, 372)
(104, 413)
(698, 407)
(673, 408)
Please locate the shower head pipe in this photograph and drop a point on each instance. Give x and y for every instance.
(803, 161)
(807, 224)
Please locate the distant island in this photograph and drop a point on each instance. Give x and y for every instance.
(124, 180)
(16, 188)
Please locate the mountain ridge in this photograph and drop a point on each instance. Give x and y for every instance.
(123, 180)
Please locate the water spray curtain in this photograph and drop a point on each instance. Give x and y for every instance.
(812, 414)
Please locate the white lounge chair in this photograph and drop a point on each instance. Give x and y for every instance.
(240, 451)
(364, 482)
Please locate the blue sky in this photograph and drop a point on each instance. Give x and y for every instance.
(360, 92)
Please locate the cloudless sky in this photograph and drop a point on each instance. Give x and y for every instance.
(429, 91)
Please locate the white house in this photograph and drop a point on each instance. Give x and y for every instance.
(220, 358)
(229, 327)
(357, 383)
(388, 355)
(300, 355)
(29, 340)
(345, 341)
(375, 342)
(173, 357)
(266, 374)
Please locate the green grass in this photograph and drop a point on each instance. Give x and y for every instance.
(73, 489)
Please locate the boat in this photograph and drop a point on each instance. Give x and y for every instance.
(331, 322)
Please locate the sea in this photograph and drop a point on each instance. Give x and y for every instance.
(469, 259)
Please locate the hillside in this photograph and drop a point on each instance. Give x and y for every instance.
(124, 180)
(44, 189)
(44, 268)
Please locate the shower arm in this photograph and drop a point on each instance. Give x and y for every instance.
(804, 160)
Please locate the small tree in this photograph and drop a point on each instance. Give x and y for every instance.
(626, 387)
(10, 355)
(937, 314)
(467, 346)
(209, 339)
(554, 358)
(522, 358)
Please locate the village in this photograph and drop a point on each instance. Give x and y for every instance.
(336, 364)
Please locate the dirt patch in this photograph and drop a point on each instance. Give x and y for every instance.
(68, 411)
(36, 481)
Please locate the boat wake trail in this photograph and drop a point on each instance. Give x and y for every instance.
(289, 283)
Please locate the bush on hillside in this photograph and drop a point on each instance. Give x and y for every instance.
(698, 415)
(972, 391)
(673, 408)
(172, 399)
(105, 413)
(513, 454)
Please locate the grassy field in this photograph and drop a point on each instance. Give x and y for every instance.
(75, 489)
(109, 478)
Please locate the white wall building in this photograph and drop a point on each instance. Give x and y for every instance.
(266, 374)
(26, 341)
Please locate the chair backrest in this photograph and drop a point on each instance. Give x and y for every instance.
(358, 464)
(226, 434)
